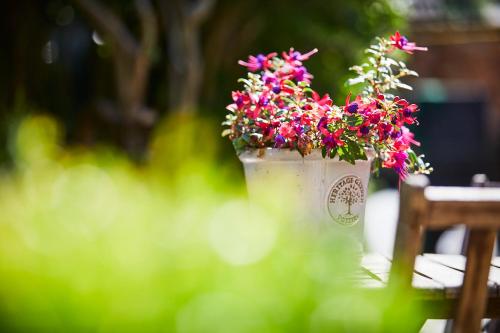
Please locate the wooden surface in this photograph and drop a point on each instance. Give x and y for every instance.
(435, 275)
(437, 280)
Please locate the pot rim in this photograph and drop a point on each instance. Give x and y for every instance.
(286, 154)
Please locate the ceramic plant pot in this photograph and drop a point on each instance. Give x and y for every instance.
(330, 192)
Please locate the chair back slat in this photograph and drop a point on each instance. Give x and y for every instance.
(444, 214)
(412, 206)
(472, 206)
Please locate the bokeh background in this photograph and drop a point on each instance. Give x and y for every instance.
(122, 208)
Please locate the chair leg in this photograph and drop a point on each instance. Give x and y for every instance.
(472, 301)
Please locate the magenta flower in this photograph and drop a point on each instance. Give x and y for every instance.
(408, 137)
(287, 131)
(397, 161)
(332, 140)
(353, 107)
(279, 141)
(301, 74)
(406, 111)
(260, 62)
(402, 43)
(295, 58)
(384, 131)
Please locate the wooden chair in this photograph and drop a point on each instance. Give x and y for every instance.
(481, 180)
(427, 207)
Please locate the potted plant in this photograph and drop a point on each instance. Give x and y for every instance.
(278, 123)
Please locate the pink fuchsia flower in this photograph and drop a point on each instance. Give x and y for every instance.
(295, 58)
(241, 99)
(301, 74)
(406, 111)
(270, 79)
(279, 141)
(266, 129)
(329, 140)
(287, 131)
(403, 142)
(353, 107)
(324, 103)
(364, 129)
(375, 117)
(303, 119)
(397, 161)
(332, 140)
(384, 131)
(260, 62)
(322, 123)
(253, 112)
(402, 43)
(374, 111)
(408, 137)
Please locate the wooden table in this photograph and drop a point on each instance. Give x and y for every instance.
(437, 280)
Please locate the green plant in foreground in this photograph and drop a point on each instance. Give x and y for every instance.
(91, 242)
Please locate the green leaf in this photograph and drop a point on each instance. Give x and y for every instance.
(391, 62)
(340, 151)
(352, 151)
(227, 132)
(288, 100)
(354, 120)
(357, 80)
(245, 81)
(323, 152)
(239, 144)
(377, 53)
(413, 158)
(358, 151)
(377, 164)
(333, 152)
(403, 85)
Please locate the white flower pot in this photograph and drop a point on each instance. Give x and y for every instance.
(329, 192)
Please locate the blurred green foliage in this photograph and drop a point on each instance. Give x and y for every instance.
(91, 242)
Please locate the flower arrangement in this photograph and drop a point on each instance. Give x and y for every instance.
(278, 108)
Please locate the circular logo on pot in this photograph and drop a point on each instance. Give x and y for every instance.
(345, 200)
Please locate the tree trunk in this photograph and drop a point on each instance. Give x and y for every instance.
(181, 22)
(131, 58)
